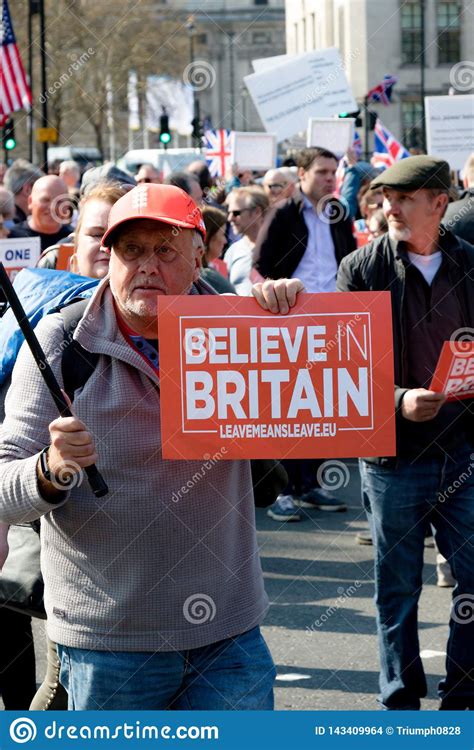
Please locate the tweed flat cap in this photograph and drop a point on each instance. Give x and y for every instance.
(415, 172)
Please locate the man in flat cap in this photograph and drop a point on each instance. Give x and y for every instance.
(430, 274)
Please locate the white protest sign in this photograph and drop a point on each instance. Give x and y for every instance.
(18, 253)
(450, 127)
(313, 84)
(253, 150)
(334, 134)
(268, 63)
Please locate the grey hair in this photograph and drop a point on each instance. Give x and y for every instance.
(7, 203)
(21, 173)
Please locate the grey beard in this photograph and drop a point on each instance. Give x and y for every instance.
(399, 235)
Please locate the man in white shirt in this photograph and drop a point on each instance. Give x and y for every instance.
(306, 238)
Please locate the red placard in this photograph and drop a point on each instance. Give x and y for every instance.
(65, 252)
(454, 373)
(317, 382)
(362, 238)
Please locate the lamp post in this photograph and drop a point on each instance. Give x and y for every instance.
(231, 79)
(422, 73)
(44, 105)
(196, 108)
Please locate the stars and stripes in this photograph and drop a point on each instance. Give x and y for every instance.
(217, 151)
(387, 150)
(383, 91)
(15, 93)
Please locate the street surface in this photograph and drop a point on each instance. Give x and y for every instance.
(321, 624)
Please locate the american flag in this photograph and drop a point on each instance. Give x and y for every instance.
(383, 91)
(15, 93)
(387, 150)
(217, 151)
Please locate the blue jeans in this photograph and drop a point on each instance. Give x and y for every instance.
(234, 674)
(400, 502)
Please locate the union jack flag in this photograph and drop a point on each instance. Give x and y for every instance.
(383, 91)
(217, 151)
(387, 150)
(15, 93)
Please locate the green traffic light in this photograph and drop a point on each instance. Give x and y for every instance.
(10, 144)
(165, 137)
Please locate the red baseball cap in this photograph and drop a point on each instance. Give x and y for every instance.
(165, 203)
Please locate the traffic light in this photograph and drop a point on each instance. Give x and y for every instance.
(355, 115)
(165, 135)
(197, 130)
(8, 135)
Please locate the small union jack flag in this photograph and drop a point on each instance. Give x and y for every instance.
(387, 150)
(217, 151)
(383, 91)
(15, 93)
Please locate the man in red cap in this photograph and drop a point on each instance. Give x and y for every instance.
(154, 603)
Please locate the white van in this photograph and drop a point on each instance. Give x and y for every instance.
(171, 160)
(84, 155)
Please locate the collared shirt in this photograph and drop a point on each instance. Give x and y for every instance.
(317, 268)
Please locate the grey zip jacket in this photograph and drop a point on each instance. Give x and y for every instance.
(168, 559)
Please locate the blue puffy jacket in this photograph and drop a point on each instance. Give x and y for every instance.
(40, 290)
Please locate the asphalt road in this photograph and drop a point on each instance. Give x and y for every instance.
(321, 626)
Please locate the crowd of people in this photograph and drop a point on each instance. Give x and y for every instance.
(120, 574)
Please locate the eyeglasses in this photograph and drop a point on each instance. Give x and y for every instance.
(237, 213)
(143, 179)
(131, 252)
(275, 186)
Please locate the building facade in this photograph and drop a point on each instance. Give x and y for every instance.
(228, 35)
(378, 37)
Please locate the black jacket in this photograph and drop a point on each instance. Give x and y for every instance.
(282, 240)
(459, 216)
(379, 266)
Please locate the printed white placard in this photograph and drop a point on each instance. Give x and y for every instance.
(253, 150)
(309, 85)
(18, 253)
(450, 127)
(332, 133)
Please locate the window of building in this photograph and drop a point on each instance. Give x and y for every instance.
(313, 30)
(448, 21)
(410, 15)
(201, 38)
(261, 37)
(412, 124)
(260, 2)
